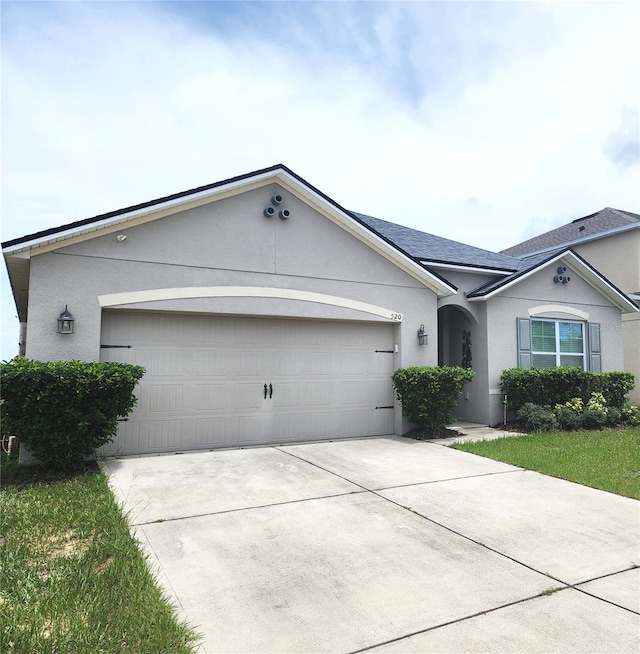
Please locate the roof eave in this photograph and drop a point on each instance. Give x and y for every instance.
(579, 241)
(462, 267)
(581, 268)
(280, 174)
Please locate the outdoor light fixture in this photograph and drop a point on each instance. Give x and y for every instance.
(65, 322)
(423, 337)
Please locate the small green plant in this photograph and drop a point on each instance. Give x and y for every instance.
(537, 418)
(62, 411)
(569, 414)
(429, 394)
(630, 414)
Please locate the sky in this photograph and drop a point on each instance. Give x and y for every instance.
(483, 122)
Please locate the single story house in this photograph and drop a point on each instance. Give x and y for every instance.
(264, 312)
(610, 241)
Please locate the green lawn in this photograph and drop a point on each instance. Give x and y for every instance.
(608, 460)
(72, 578)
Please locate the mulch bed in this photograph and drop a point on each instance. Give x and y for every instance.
(422, 435)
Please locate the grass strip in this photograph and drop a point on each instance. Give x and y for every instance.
(73, 578)
(608, 460)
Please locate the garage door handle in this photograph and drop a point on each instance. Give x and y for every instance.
(265, 391)
(270, 391)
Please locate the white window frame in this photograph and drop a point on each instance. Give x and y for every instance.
(558, 353)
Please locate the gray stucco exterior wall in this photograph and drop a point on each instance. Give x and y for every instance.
(226, 243)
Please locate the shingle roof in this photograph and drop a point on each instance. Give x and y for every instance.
(525, 264)
(435, 249)
(585, 228)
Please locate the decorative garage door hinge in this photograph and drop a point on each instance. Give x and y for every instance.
(107, 347)
(385, 407)
(384, 351)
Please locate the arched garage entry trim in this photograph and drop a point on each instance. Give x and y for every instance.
(153, 295)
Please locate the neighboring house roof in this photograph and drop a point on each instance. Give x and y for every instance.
(597, 225)
(431, 249)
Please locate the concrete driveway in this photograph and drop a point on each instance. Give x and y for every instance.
(384, 545)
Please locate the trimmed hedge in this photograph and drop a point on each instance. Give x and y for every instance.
(551, 386)
(429, 394)
(63, 411)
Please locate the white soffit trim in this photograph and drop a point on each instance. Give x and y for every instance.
(558, 308)
(176, 203)
(452, 266)
(156, 294)
(588, 274)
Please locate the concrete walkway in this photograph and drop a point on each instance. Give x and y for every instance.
(384, 545)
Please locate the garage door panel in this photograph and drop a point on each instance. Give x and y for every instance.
(166, 363)
(213, 363)
(247, 395)
(204, 386)
(212, 397)
(382, 421)
(244, 363)
(165, 397)
(164, 435)
(210, 432)
(289, 428)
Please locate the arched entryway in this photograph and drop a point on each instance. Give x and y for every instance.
(455, 337)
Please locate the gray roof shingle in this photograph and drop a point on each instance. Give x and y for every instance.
(575, 231)
(525, 265)
(435, 249)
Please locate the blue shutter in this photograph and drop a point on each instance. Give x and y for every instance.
(524, 342)
(595, 353)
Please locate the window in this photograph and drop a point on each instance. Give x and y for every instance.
(557, 343)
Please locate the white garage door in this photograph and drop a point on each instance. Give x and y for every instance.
(227, 381)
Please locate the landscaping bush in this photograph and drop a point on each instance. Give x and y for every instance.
(551, 386)
(569, 415)
(429, 394)
(62, 411)
(573, 415)
(537, 418)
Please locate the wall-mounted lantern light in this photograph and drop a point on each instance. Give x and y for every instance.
(65, 322)
(423, 337)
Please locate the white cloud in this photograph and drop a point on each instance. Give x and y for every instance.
(475, 121)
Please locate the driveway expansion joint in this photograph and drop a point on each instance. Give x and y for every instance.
(456, 621)
(438, 481)
(247, 508)
(453, 531)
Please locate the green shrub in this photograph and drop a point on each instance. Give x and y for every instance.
(551, 386)
(429, 394)
(62, 411)
(537, 418)
(630, 414)
(569, 414)
(614, 417)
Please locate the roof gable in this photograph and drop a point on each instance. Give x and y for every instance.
(19, 251)
(596, 225)
(533, 264)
